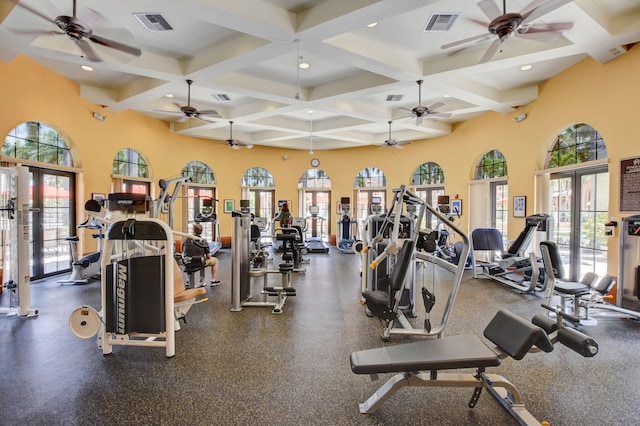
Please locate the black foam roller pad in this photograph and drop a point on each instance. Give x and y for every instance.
(577, 341)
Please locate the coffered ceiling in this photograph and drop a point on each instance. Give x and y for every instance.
(243, 57)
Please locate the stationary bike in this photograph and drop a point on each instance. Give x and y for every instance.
(88, 266)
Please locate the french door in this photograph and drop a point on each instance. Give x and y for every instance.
(196, 197)
(430, 195)
(579, 206)
(52, 220)
(318, 226)
(261, 203)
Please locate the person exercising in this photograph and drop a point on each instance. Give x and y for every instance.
(284, 216)
(194, 248)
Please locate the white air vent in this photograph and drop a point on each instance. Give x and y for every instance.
(441, 21)
(221, 97)
(153, 21)
(394, 98)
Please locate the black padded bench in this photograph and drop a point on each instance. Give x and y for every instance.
(513, 337)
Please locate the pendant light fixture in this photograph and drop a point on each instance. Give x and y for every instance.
(298, 95)
(310, 132)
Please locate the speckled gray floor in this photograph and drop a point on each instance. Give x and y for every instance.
(252, 367)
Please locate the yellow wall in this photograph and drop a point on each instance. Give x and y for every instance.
(601, 95)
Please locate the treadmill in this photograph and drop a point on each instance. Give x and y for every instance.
(314, 242)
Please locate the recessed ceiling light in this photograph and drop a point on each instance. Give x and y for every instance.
(526, 67)
(371, 25)
(447, 96)
(86, 67)
(304, 65)
(169, 95)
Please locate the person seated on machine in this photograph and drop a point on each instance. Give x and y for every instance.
(195, 248)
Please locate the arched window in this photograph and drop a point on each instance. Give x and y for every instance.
(258, 186)
(129, 163)
(428, 181)
(37, 142)
(199, 172)
(428, 174)
(579, 199)
(258, 176)
(576, 144)
(52, 190)
(370, 177)
(491, 169)
(370, 187)
(492, 165)
(314, 178)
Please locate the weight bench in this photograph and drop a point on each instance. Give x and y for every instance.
(512, 335)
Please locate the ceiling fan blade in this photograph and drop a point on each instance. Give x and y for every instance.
(490, 9)
(440, 114)
(203, 118)
(491, 51)
(466, 40)
(115, 45)
(167, 111)
(436, 105)
(483, 24)
(88, 51)
(546, 7)
(209, 112)
(544, 36)
(35, 32)
(35, 12)
(530, 7)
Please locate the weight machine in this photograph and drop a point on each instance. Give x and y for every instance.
(15, 226)
(242, 272)
(402, 257)
(143, 295)
(515, 266)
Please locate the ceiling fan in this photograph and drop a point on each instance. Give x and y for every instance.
(422, 111)
(187, 111)
(393, 142)
(235, 144)
(504, 25)
(79, 32)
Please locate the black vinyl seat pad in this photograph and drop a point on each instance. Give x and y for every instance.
(464, 351)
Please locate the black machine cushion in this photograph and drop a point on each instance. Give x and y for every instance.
(194, 248)
(515, 336)
(465, 351)
(509, 332)
(489, 239)
(565, 287)
(554, 255)
(378, 300)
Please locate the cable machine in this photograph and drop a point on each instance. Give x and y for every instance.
(15, 226)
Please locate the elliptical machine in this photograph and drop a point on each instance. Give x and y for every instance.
(87, 267)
